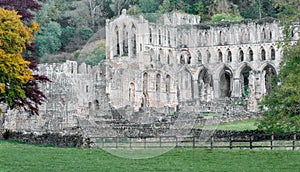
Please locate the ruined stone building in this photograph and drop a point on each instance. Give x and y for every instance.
(179, 59)
(175, 62)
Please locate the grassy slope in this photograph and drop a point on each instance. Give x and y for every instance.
(22, 157)
(248, 124)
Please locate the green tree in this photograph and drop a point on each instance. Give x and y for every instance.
(148, 6)
(282, 106)
(165, 7)
(96, 54)
(49, 38)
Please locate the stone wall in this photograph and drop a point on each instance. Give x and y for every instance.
(159, 73)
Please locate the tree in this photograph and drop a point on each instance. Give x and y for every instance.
(96, 54)
(23, 7)
(14, 70)
(34, 96)
(48, 38)
(148, 6)
(282, 106)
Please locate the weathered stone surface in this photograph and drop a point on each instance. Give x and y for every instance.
(159, 76)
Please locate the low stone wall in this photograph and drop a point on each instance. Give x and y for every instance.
(54, 139)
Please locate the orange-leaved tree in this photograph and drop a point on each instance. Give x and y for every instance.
(14, 70)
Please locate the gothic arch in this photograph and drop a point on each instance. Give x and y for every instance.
(220, 56)
(168, 84)
(160, 56)
(134, 40)
(241, 55)
(169, 37)
(185, 79)
(240, 68)
(204, 84)
(117, 34)
(158, 82)
(263, 35)
(150, 35)
(244, 80)
(145, 82)
(170, 57)
(250, 54)
(159, 37)
(131, 92)
(226, 80)
(145, 100)
(268, 64)
(268, 72)
(262, 54)
(272, 53)
(229, 55)
(125, 40)
(184, 57)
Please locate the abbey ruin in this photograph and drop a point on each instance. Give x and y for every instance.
(174, 65)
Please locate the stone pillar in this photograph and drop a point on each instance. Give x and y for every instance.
(216, 88)
(196, 89)
(236, 90)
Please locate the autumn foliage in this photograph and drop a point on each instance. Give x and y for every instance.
(14, 70)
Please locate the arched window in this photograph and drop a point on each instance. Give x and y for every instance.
(125, 41)
(263, 34)
(118, 45)
(220, 37)
(97, 106)
(229, 56)
(160, 55)
(150, 35)
(131, 92)
(168, 84)
(158, 80)
(272, 53)
(241, 54)
(263, 54)
(220, 56)
(134, 44)
(169, 38)
(250, 55)
(159, 37)
(189, 58)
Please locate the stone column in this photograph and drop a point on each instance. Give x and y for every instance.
(236, 90)
(196, 89)
(216, 88)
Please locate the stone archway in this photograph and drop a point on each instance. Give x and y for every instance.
(204, 85)
(244, 80)
(268, 72)
(145, 100)
(225, 83)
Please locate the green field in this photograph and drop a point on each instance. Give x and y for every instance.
(249, 124)
(22, 157)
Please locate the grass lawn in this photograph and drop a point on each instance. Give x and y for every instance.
(22, 157)
(248, 124)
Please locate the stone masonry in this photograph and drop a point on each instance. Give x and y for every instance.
(171, 67)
